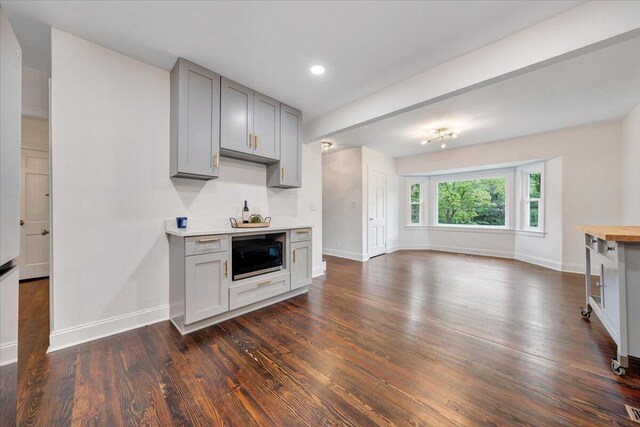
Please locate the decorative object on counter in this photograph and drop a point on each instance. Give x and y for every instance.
(255, 221)
(181, 221)
(245, 213)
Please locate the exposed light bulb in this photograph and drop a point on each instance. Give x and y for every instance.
(424, 142)
(454, 135)
(443, 145)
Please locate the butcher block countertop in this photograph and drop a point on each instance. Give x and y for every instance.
(617, 233)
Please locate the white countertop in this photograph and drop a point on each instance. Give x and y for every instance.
(202, 227)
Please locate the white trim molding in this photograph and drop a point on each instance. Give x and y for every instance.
(103, 328)
(9, 353)
(319, 270)
(344, 254)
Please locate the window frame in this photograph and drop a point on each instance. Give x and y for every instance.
(524, 198)
(507, 174)
(423, 198)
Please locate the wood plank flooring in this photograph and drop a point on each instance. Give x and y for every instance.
(410, 338)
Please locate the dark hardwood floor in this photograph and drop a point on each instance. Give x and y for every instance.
(411, 338)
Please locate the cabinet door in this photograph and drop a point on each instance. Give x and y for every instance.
(207, 286)
(198, 126)
(609, 286)
(290, 147)
(236, 120)
(266, 126)
(301, 266)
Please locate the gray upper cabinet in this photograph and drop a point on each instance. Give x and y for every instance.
(266, 127)
(288, 172)
(249, 124)
(236, 120)
(195, 121)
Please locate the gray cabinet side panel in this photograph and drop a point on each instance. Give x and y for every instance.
(10, 130)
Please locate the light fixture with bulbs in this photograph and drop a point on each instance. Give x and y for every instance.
(442, 134)
(326, 146)
(317, 70)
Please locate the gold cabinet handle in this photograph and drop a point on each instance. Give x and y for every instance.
(226, 270)
(256, 141)
(250, 140)
(283, 172)
(216, 159)
(266, 282)
(209, 239)
(294, 255)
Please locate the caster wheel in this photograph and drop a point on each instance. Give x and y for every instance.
(617, 368)
(586, 314)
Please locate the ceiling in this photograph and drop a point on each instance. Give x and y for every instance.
(598, 86)
(269, 46)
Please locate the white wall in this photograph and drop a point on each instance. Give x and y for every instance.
(589, 193)
(630, 201)
(112, 192)
(345, 177)
(35, 93)
(35, 133)
(342, 203)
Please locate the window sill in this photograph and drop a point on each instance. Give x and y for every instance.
(473, 229)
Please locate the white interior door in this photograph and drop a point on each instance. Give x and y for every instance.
(34, 214)
(377, 208)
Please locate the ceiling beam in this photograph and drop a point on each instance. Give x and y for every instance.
(583, 29)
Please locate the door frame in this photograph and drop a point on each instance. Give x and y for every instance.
(371, 169)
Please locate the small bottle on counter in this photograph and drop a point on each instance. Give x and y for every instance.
(245, 213)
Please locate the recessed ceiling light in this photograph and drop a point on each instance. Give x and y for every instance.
(317, 70)
(424, 142)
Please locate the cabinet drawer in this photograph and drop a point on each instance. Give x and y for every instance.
(591, 242)
(608, 249)
(205, 244)
(301, 235)
(257, 290)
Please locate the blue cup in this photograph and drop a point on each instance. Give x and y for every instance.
(181, 221)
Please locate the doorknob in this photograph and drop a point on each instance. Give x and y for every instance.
(44, 232)
(22, 222)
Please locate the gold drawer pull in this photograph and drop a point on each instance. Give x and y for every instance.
(255, 141)
(250, 140)
(226, 271)
(283, 172)
(210, 239)
(266, 282)
(294, 255)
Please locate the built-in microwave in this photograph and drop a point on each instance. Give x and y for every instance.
(257, 254)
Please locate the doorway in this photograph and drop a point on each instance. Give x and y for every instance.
(34, 202)
(377, 206)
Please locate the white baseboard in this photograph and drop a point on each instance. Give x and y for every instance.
(320, 270)
(9, 353)
(542, 262)
(104, 328)
(344, 254)
(568, 267)
(471, 251)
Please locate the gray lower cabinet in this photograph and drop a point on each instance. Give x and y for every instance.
(195, 121)
(301, 265)
(258, 289)
(206, 286)
(287, 173)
